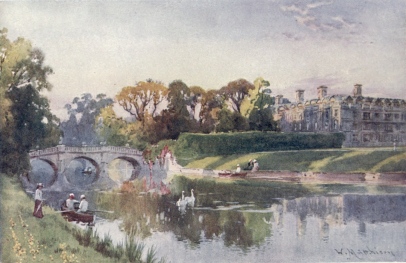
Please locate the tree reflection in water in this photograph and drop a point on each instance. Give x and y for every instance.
(224, 215)
(247, 213)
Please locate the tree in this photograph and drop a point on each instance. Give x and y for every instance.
(258, 108)
(178, 115)
(110, 128)
(236, 92)
(26, 120)
(80, 127)
(231, 121)
(145, 97)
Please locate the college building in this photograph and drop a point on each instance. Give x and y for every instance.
(365, 121)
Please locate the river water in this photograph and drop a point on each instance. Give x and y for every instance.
(243, 221)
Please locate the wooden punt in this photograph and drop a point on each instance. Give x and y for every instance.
(70, 215)
(230, 174)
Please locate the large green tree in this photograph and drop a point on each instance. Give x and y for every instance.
(236, 92)
(178, 116)
(81, 126)
(260, 114)
(25, 117)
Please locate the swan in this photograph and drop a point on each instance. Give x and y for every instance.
(181, 201)
(190, 200)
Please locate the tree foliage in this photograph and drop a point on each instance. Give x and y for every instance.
(26, 120)
(80, 127)
(236, 92)
(145, 97)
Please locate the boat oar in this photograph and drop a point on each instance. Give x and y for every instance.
(103, 211)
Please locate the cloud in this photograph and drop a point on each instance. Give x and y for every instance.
(316, 18)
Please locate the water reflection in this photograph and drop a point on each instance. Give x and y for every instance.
(314, 224)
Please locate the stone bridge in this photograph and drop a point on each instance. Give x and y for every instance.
(64, 167)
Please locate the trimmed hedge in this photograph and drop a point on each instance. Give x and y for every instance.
(193, 146)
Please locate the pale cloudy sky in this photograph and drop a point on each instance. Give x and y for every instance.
(102, 46)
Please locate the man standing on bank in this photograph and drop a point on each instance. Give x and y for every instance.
(38, 202)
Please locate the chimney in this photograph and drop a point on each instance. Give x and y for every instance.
(321, 92)
(357, 90)
(299, 95)
(279, 99)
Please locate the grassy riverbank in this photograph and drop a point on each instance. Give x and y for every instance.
(326, 160)
(25, 238)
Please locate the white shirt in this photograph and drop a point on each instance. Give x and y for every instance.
(238, 169)
(83, 205)
(38, 195)
(70, 204)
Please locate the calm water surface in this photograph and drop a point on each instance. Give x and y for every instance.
(277, 222)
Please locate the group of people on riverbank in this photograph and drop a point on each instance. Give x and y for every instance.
(69, 203)
(252, 165)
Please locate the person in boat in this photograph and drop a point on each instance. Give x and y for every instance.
(38, 201)
(70, 202)
(238, 170)
(250, 165)
(256, 166)
(83, 204)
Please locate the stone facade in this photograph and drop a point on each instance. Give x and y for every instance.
(365, 121)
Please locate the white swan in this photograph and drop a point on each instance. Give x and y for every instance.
(181, 202)
(190, 200)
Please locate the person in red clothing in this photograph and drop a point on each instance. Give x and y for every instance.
(38, 201)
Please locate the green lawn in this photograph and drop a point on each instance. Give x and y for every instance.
(334, 160)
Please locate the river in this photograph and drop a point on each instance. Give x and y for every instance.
(254, 221)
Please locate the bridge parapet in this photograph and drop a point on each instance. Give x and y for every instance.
(85, 149)
(48, 151)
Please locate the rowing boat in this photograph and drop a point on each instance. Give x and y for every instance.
(71, 215)
(230, 174)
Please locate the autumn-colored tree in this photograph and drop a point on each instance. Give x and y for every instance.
(145, 97)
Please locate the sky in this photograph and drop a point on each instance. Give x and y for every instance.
(103, 46)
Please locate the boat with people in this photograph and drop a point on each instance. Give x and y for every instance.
(87, 170)
(231, 174)
(73, 215)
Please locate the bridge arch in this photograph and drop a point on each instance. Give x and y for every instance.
(118, 171)
(82, 170)
(42, 171)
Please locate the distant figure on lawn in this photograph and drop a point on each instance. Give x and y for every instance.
(238, 170)
(255, 168)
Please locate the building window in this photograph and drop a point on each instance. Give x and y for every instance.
(366, 116)
(336, 113)
(377, 116)
(396, 116)
(388, 116)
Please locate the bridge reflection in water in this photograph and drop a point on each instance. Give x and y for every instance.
(354, 226)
